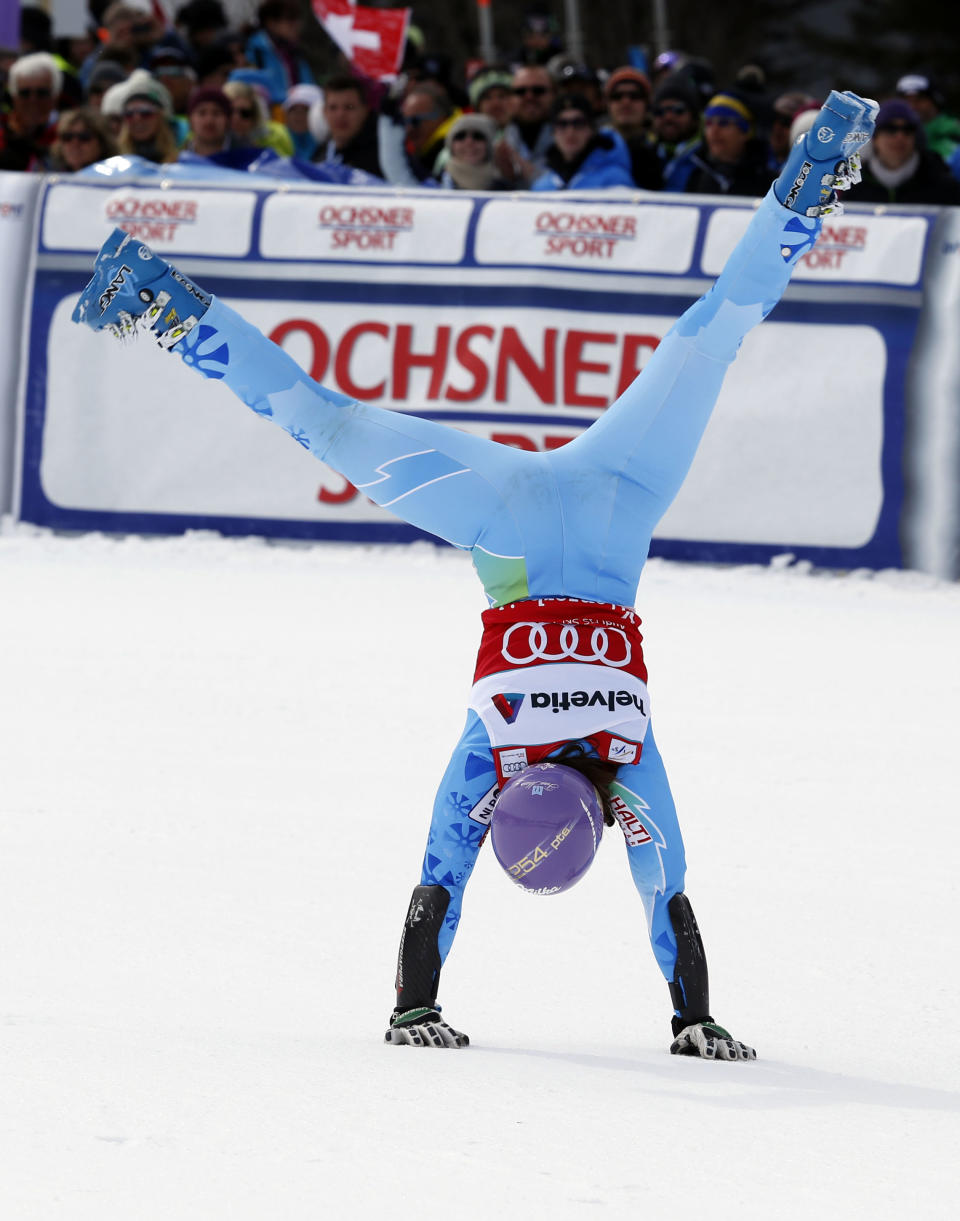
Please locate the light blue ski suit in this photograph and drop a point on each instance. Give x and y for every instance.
(575, 521)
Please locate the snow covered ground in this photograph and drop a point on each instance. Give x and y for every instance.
(217, 760)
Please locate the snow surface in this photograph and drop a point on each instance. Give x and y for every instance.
(217, 760)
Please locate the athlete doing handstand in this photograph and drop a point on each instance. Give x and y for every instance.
(558, 540)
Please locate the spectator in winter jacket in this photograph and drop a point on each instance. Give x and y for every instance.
(27, 130)
(675, 118)
(470, 164)
(209, 111)
(529, 134)
(273, 49)
(572, 77)
(942, 131)
(250, 122)
(353, 126)
(731, 160)
(296, 116)
(105, 74)
(83, 138)
(897, 169)
(580, 157)
(147, 113)
(489, 93)
(428, 115)
(627, 94)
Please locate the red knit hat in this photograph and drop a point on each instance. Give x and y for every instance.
(622, 76)
(209, 93)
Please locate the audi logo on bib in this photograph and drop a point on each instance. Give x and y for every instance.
(527, 643)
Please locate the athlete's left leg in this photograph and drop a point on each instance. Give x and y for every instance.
(648, 818)
(451, 483)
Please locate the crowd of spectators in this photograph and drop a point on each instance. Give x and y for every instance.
(542, 121)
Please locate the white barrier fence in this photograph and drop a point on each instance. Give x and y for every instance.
(521, 318)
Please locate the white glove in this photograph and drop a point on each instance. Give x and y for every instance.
(710, 1042)
(423, 1028)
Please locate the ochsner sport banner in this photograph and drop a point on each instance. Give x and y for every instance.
(517, 318)
(18, 195)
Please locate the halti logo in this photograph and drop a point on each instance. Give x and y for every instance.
(508, 705)
(119, 279)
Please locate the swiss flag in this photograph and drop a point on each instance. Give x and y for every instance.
(371, 38)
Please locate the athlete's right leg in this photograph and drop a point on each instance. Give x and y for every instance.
(461, 816)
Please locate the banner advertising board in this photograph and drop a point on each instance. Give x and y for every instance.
(18, 198)
(517, 318)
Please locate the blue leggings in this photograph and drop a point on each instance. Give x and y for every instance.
(575, 522)
(454, 839)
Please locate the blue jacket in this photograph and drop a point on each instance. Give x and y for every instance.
(607, 164)
(678, 162)
(260, 50)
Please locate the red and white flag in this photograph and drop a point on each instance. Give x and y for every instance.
(371, 38)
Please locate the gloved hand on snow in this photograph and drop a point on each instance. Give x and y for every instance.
(422, 1028)
(710, 1042)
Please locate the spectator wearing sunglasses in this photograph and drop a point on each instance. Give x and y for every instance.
(250, 123)
(427, 114)
(731, 160)
(580, 157)
(627, 95)
(897, 168)
(530, 133)
(675, 128)
(83, 139)
(27, 130)
(147, 111)
(470, 164)
(922, 95)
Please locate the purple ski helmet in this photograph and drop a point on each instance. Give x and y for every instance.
(546, 828)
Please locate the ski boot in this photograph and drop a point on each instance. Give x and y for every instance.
(134, 290)
(826, 159)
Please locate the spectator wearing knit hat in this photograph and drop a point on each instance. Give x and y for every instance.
(627, 94)
(489, 93)
(296, 116)
(569, 76)
(105, 74)
(209, 110)
(147, 111)
(942, 131)
(731, 160)
(470, 164)
(897, 169)
(675, 120)
(580, 157)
